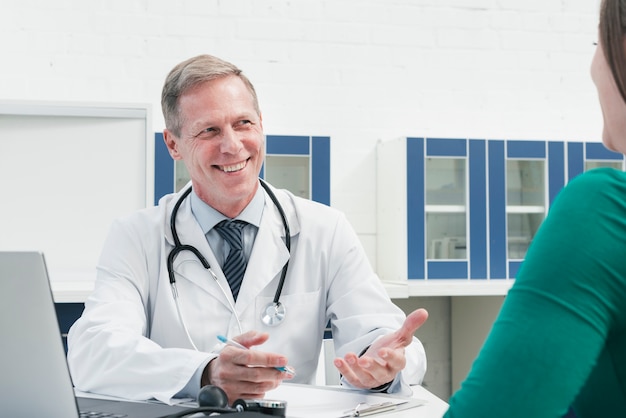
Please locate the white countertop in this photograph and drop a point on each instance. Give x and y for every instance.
(78, 290)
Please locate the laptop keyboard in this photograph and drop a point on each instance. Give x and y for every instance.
(92, 414)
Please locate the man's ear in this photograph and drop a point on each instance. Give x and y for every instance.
(171, 142)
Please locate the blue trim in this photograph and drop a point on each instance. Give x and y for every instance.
(447, 270)
(525, 149)
(287, 145)
(575, 159)
(514, 267)
(556, 169)
(446, 147)
(477, 209)
(67, 314)
(320, 169)
(416, 247)
(497, 210)
(163, 169)
(597, 151)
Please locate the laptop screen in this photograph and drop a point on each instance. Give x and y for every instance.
(34, 375)
(35, 379)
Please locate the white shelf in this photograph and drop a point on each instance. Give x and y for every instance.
(71, 291)
(397, 290)
(416, 288)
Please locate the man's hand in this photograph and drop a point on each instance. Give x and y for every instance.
(243, 373)
(384, 359)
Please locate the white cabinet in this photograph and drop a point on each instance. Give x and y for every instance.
(456, 216)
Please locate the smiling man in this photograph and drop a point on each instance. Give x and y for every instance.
(231, 255)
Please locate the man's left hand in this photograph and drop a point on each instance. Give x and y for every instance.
(384, 359)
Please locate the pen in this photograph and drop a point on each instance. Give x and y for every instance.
(364, 409)
(231, 342)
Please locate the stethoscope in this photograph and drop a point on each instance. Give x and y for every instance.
(274, 312)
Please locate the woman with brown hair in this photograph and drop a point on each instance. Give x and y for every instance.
(559, 342)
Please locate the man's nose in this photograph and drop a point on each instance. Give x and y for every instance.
(230, 142)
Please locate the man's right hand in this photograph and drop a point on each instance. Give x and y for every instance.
(246, 374)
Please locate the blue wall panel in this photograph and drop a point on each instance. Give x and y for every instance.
(447, 270)
(446, 147)
(575, 159)
(320, 166)
(497, 210)
(597, 151)
(556, 168)
(514, 267)
(477, 209)
(163, 169)
(287, 145)
(526, 149)
(416, 250)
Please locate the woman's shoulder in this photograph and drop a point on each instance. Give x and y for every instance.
(595, 187)
(599, 175)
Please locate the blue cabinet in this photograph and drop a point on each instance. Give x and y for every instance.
(300, 164)
(467, 209)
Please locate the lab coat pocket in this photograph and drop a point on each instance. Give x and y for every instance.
(299, 335)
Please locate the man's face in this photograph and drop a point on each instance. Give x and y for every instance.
(221, 143)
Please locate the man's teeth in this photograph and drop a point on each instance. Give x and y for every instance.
(231, 168)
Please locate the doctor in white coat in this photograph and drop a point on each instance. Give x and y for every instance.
(142, 337)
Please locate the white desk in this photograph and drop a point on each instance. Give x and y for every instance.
(304, 401)
(77, 291)
(434, 406)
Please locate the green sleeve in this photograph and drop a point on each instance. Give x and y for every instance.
(566, 300)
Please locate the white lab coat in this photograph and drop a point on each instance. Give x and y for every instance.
(130, 343)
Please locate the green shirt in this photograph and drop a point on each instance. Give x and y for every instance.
(560, 338)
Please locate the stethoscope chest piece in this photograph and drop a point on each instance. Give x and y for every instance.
(273, 314)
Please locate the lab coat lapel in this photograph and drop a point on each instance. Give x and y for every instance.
(186, 265)
(268, 256)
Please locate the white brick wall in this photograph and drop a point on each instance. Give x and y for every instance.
(363, 69)
(356, 70)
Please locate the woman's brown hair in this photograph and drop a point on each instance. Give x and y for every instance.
(612, 32)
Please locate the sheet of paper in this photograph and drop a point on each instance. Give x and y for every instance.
(306, 401)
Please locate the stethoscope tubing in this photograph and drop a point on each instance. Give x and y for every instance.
(283, 273)
(275, 306)
(180, 314)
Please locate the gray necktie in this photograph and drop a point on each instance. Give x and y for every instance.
(235, 265)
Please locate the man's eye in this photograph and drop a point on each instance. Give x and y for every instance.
(205, 131)
(245, 122)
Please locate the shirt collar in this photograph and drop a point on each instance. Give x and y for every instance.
(208, 217)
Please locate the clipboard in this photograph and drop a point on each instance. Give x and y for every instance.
(308, 401)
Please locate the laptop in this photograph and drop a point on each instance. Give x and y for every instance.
(34, 376)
